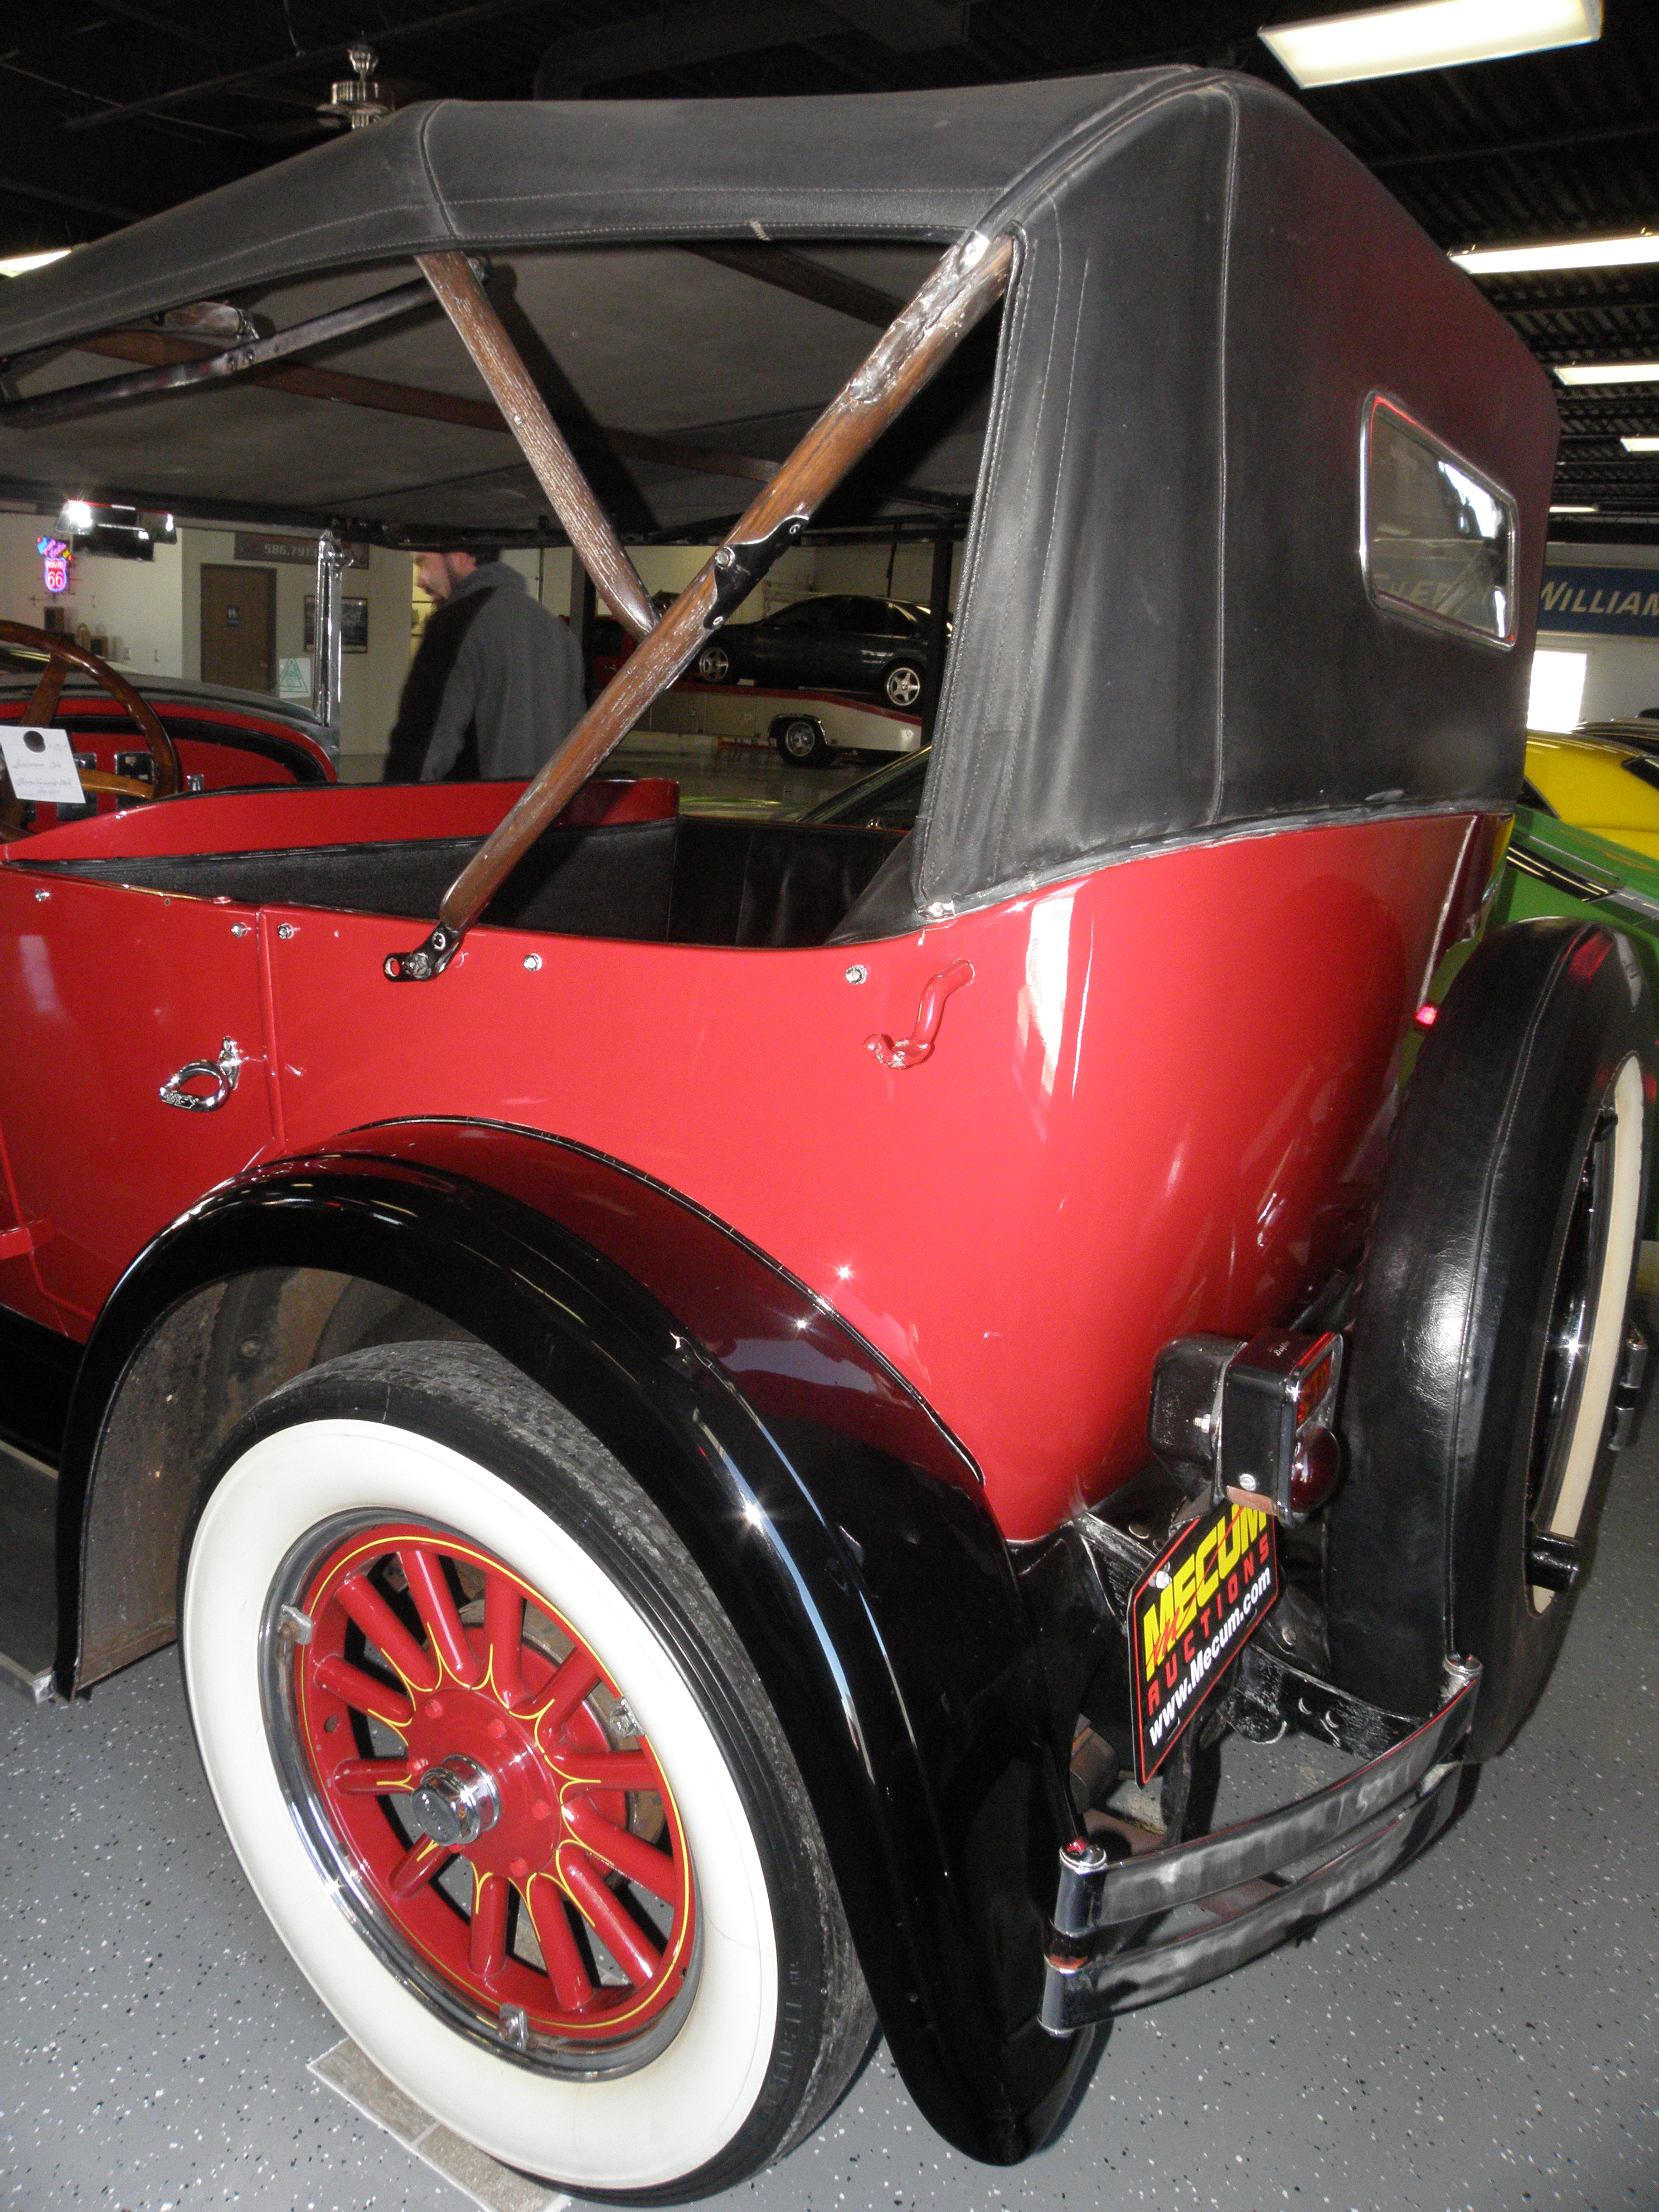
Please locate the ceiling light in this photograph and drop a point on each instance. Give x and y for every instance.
(1571, 254)
(1640, 445)
(76, 515)
(1572, 510)
(1610, 371)
(19, 264)
(1427, 34)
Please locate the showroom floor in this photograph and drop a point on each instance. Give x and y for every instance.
(1482, 2034)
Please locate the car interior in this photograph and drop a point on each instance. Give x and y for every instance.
(683, 880)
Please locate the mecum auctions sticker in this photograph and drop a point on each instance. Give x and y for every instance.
(1193, 1612)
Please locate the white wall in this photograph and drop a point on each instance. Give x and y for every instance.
(1623, 675)
(369, 682)
(863, 569)
(546, 570)
(135, 604)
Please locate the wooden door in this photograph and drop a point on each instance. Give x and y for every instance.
(239, 627)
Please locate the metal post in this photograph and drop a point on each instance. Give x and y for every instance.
(583, 612)
(326, 639)
(939, 613)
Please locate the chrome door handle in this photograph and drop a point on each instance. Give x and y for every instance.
(222, 1073)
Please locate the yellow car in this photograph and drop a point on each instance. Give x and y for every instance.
(1603, 776)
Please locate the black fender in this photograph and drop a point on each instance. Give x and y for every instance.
(1427, 1538)
(841, 1527)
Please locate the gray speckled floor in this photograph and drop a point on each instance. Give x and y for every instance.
(1481, 2033)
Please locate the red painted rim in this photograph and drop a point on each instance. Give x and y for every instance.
(580, 1910)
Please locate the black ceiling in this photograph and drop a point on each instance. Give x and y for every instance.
(111, 109)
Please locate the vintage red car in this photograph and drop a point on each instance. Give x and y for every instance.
(213, 738)
(721, 1410)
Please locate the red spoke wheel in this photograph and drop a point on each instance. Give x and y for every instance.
(487, 1784)
(502, 1774)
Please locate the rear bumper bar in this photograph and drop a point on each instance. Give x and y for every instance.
(1381, 1814)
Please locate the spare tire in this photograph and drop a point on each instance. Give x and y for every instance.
(1491, 1326)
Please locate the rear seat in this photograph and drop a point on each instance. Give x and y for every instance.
(678, 880)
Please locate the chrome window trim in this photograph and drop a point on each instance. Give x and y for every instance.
(1385, 602)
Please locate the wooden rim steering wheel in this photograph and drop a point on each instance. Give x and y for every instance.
(61, 654)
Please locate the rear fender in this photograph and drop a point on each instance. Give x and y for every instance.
(843, 1530)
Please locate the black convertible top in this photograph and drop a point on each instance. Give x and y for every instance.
(1163, 629)
(916, 165)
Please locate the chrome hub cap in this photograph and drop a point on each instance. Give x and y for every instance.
(456, 1802)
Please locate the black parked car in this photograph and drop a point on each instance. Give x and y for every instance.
(842, 641)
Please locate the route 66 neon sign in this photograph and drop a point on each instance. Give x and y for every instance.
(55, 557)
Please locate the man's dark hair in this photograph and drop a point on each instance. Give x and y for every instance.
(481, 554)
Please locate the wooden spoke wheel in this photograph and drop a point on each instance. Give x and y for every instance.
(62, 653)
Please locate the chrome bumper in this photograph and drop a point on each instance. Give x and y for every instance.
(1389, 1809)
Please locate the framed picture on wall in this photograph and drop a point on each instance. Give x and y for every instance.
(353, 624)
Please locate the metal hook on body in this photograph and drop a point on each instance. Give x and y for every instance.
(909, 1052)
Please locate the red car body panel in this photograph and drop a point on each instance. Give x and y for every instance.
(1183, 1143)
(346, 814)
(97, 725)
(97, 1156)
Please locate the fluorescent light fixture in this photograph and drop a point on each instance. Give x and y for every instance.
(1610, 371)
(1427, 34)
(75, 515)
(19, 264)
(1558, 691)
(1640, 445)
(1629, 251)
(1572, 510)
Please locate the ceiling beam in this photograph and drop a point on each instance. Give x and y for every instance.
(1630, 408)
(55, 195)
(1558, 142)
(131, 12)
(679, 38)
(261, 73)
(156, 349)
(676, 38)
(1640, 295)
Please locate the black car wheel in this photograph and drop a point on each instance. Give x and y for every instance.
(801, 740)
(1491, 1327)
(504, 1777)
(902, 685)
(715, 665)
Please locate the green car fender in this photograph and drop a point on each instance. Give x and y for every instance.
(1552, 868)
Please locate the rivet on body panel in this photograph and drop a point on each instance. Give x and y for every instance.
(285, 930)
(858, 973)
(532, 961)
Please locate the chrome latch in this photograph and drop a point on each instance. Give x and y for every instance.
(222, 1073)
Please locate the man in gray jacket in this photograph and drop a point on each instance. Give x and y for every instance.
(496, 684)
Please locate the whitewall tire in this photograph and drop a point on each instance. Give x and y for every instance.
(657, 1822)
